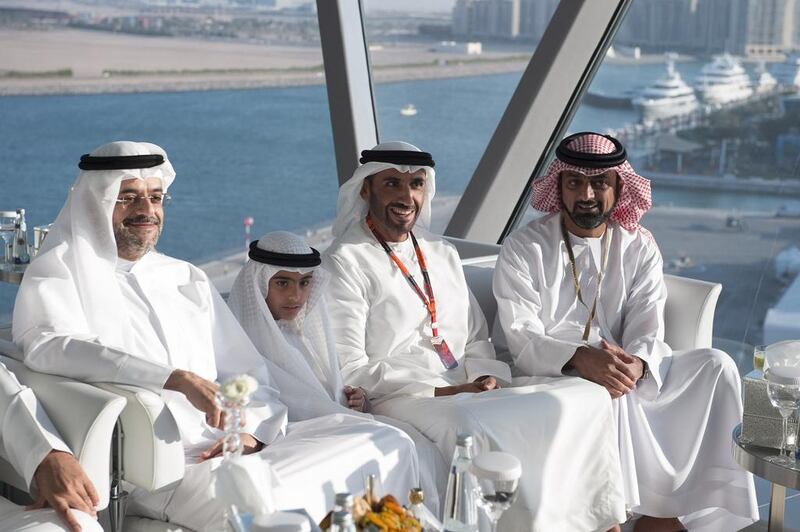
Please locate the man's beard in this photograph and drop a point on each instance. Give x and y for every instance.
(386, 219)
(588, 219)
(130, 244)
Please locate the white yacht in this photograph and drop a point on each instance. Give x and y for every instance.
(787, 73)
(723, 81)
(765, 82)
(668, 96)
(408, 110)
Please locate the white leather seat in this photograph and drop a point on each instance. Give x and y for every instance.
(150, 451)
(688, 314)
(83, 414)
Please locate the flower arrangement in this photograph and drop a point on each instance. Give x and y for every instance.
(233, 396)
(237, 390)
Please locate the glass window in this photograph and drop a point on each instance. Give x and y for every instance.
(444, 72)
(719, 141)
(236, 98)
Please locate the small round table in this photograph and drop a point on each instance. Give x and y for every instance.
(752, 459)
(12, 273)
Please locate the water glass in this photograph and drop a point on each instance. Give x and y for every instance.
(759, 352)
(498, 479)
(783, 389)
(39, 234)
(8, 220)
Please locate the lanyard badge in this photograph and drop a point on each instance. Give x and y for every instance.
(443, 350)
(438, 342)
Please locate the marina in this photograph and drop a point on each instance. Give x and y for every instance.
(264, 111)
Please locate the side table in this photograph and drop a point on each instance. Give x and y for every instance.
(752, 458)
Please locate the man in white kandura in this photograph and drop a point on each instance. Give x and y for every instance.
(581, 291)
(279, 297)
(99, 304)
(421, 351)
(31, 444)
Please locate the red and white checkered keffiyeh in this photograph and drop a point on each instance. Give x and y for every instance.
(634, 201)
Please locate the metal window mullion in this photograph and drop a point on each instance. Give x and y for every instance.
(348, 79)
(537, 114)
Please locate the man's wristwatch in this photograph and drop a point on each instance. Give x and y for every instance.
(645, 371)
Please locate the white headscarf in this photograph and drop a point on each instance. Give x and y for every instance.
(314, 378)
(351, 207)
(77, 262)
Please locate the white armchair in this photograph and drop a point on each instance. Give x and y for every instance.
(118, 433)
(152, 452)
(84, 415)
(688, 314)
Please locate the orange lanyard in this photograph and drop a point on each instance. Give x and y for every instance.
(430, 300)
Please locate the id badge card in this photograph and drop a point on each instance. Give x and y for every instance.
(443, 350)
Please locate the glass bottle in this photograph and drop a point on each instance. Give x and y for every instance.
(20, 252)
(416, 505)
(343, 501)
(342, 522)
(460, 506)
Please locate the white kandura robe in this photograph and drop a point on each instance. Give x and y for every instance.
(675, 428)
(383, 335)
(177, 320)
(301, 357)
(27, 436)
(432, 466)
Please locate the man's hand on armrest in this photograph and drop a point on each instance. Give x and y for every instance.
(62, 484)
(200, 392)
(481, 384)
(606, 368)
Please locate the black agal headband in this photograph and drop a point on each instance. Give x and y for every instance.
(398, 157)
(591, 160)
(119, 162)
(305, 260)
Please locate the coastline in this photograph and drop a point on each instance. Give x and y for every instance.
(242, 80)
(75, 61)
(93, 62)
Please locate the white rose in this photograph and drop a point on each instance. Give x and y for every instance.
(238, 389)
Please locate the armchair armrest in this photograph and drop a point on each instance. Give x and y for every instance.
(152, 451)
(689, 312)
(84, 417)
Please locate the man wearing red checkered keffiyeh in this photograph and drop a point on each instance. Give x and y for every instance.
(590, 155)
(580, 292)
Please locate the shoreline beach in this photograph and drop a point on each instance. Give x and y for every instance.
(100, 62)
(67, 61)
(239, 80)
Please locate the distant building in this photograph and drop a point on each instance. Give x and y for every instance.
(502, 19)
(760, 28)
(770, 27)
